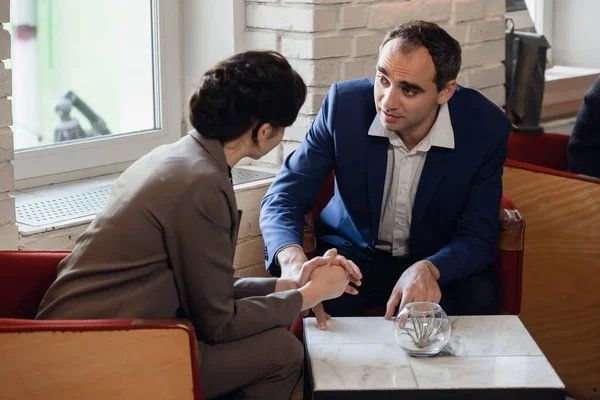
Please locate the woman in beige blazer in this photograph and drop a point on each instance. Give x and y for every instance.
(163, 246)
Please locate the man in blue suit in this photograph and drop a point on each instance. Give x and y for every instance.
(583, 152)
(418, 182)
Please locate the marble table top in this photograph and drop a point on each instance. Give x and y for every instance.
(486, 352)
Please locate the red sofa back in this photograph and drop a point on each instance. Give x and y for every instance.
(25, 277)
(547, 150)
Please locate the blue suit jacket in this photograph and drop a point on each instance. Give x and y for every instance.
(584, 143)
(455, 213)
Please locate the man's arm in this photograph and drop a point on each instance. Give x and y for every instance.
(474, 242)
(290, 259)
(295, 189)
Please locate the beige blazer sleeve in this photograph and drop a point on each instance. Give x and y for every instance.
(199, 245)
(249, 287)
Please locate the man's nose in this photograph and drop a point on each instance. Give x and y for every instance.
(390, 100)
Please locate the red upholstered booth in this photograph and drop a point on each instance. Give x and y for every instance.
(96, 359)
(548, 150)
(545, 153)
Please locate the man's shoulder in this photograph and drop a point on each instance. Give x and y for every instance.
(353, 97)
(355, 86)
(470, 107)
(467, 100)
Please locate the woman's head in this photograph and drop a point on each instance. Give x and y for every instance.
(256, 93)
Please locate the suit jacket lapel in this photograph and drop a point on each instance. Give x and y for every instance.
(434, 171)
(376, 169)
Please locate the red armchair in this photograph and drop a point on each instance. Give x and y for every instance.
(117, 359)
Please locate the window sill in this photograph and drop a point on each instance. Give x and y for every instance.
(564, 90)
(41, 193)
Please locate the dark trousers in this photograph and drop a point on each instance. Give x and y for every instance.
(263, 366)
(477, 294)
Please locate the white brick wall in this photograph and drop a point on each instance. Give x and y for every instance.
(8, 229)
(333, 40)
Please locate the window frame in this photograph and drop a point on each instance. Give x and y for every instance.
(38, 166)
(542, 15)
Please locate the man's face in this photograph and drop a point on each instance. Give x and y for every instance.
(405, 91)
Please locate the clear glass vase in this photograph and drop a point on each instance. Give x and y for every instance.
(422, 329)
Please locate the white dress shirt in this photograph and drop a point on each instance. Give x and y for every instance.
(402, 177)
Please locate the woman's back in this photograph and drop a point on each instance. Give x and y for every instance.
(120, 266)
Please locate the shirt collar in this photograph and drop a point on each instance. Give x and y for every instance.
(440, 135)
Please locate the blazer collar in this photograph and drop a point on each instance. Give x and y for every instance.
(214, 148)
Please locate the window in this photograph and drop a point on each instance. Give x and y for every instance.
(516, 10)
(533, 16)
(95, 83)
(515, 5)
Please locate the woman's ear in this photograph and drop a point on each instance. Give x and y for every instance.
(265, 131)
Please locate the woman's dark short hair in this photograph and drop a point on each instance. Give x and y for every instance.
(244, 91)
(444, 49)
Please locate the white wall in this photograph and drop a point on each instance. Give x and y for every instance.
(576, 32)
(212, 31)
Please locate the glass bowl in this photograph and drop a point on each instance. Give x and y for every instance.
(422, 329)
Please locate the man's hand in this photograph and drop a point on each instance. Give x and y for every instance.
(291, 259)
(331, 256)
(294, 266)
(354, 275)
(417, 283)
(326, 282)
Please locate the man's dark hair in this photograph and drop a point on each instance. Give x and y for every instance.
(444, 49)
(244, 91)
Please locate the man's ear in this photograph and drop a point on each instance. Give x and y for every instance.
(446, 93)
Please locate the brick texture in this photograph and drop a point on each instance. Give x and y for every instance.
(333, 40)
(8, 229)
